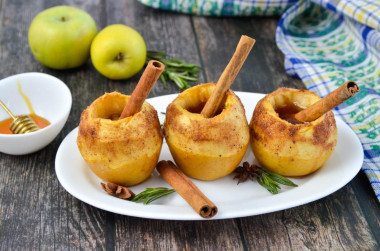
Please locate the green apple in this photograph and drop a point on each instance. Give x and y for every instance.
(118, 52)
(60, 37)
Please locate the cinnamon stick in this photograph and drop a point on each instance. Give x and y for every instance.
(152, 72)
(187, 189)
(228, 76)
(332, 100)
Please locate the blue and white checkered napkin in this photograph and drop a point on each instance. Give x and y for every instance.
(223, 7)
(326, 43)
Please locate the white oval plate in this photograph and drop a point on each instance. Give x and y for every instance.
(232, 200)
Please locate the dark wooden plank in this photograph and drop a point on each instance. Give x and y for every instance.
(312, 226)
(162, 31)
(263, 71)
(37, 213)
(172, 33)
(138, 234)
(335, 222)
(353, 230)
(368, 203)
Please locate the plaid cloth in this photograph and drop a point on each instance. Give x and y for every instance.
(223, 7)
(329, 42)
(326, 43)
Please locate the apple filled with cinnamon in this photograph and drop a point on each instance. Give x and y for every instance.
(122, 151)
(120, 136)
(206, 148)
(293, 132)
(206, 128)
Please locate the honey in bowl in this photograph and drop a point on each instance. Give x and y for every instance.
(40, 121)
(5, 124)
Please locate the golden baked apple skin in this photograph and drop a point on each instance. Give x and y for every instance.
(291, 149)
(206, 148)
(123, 151)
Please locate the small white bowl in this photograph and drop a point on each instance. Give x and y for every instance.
(50, 98)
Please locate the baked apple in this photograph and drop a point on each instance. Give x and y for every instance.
(206, 148)
(122, 151)
(287, 147)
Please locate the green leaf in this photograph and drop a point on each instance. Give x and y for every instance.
(262, 182)
(163, 79)
(175, 70)
(280, 179)
(271, 181)
(151, 194)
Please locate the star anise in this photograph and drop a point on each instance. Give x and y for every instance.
(270, 181)
(121, 192)
(246, 172)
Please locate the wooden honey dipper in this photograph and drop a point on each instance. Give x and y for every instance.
(22, 123)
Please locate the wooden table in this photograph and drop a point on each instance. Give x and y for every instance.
(36, 212)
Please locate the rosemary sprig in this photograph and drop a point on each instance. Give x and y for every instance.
(269, 180)
(175, 70)
(151, 194)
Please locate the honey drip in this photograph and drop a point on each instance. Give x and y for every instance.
(26, 99)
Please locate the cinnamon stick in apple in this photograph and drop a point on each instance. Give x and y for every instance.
(187, 189)
(151, 73)
(332, 100)
(228, 76)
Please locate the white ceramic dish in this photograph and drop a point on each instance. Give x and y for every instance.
(50, 99)
(232, 200)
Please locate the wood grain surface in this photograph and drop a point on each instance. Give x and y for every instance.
(37, 213)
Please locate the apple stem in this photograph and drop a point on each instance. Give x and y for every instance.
(119, 57)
